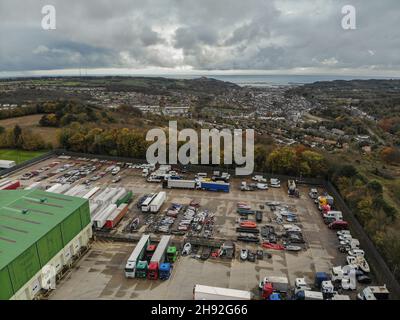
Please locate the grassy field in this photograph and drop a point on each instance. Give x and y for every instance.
(19, 155)
(31, 122)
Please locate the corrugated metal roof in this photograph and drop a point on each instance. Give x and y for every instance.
(27, 215)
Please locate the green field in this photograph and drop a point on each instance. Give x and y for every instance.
(19, 155)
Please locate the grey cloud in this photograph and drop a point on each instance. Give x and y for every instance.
(207, 34)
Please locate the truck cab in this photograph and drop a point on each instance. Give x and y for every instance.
(171, 254)
(141, 269)
(150, 251)
(165, 271)
(152, 271)
(130, 269)
(374, 293)
(300, 285)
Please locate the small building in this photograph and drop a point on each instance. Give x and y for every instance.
(6, 164)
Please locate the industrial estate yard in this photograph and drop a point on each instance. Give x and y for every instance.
(99, 274)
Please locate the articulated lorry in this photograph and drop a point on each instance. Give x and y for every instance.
(158, 258)
(136, 256)
(201, 292)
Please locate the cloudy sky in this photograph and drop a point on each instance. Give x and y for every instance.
(252, 36)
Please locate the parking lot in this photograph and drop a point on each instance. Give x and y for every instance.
(100, 273)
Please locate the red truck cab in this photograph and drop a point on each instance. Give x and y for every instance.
(152, 271)
(150, 251)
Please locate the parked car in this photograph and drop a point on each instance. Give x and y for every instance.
(339, 225)
(364, 279)
(251, 257)
(244, 254)
(262, 186)
(259, 216)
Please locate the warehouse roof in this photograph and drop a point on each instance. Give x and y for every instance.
(27, 215)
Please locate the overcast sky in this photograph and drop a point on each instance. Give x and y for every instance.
(281, 36)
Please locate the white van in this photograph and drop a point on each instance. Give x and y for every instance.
(356, 253)
(335, 215)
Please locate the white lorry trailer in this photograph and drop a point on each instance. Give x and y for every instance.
(136, 255)
(201, 292)
(181, 184)
(157, 202)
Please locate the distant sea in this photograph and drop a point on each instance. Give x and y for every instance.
(275, 80)
(242, 80)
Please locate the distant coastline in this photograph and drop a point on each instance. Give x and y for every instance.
(241, 80)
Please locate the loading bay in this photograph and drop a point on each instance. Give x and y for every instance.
(100, 273)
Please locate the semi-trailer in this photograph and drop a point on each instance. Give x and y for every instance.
(99, 220)
(145, 206)
(179, 184)
(35, 185)
(201, 292)
(157, 202)
(136, 256)
(53, 188)
(158, 258)
(3, 183)
(214, 186)
(125, 199)
(115, 217)
(91, 193)
(120, 193)
(13, 185)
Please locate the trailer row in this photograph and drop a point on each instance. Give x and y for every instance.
(151, 261)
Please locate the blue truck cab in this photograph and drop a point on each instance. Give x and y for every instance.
(164, 271)
(319, 278)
